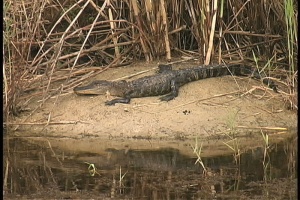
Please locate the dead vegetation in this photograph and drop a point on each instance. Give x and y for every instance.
(52, 46)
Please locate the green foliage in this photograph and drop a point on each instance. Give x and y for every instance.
(197, 150)
(291, 29)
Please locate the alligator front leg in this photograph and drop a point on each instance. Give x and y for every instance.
(174, 92)
(119, 100)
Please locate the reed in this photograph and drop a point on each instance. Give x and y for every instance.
(292, 40)
(49, 47)
(266, 160)
(92, 169)
(197, 150)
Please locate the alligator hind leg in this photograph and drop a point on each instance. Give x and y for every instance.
(173, 94)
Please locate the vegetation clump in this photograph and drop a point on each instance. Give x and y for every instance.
(52, 46)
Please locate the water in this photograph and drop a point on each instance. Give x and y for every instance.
(37, 171)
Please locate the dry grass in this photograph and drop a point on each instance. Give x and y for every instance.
(52, 46)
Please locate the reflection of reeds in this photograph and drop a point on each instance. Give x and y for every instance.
(266, 160)
(291, 150)
(5, 178)
(233, 143)
(50, 47)
(197, 151)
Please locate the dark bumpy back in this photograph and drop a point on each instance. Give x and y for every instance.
(168, 81)
(201, 72)
(184, 76)
(164, 68)
(233, 69)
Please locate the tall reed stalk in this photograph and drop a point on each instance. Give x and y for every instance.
(292, 41)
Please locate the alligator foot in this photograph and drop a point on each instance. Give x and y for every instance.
(114, 101)
(168, 97)
(109, 103)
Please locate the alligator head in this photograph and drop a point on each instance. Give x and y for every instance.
(101, 87)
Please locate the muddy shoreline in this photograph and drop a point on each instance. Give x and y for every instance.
(215, 111)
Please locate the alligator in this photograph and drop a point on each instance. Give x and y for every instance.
(166, 82)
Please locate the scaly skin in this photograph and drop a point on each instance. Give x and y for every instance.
(166, 82)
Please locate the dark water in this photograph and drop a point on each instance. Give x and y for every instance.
(34, 171)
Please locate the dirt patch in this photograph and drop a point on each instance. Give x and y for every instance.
(207, 107)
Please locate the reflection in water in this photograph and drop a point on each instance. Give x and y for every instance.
(37, 171)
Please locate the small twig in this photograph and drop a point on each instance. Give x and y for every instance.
(148, 70)
(6, 175)
(27, 117)
(251, 34)
(264, 128)
(45, 123)
(199, 100)
(183, 60)
(204, 99)
(183, 27)
(135, 74)
(53, 153)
